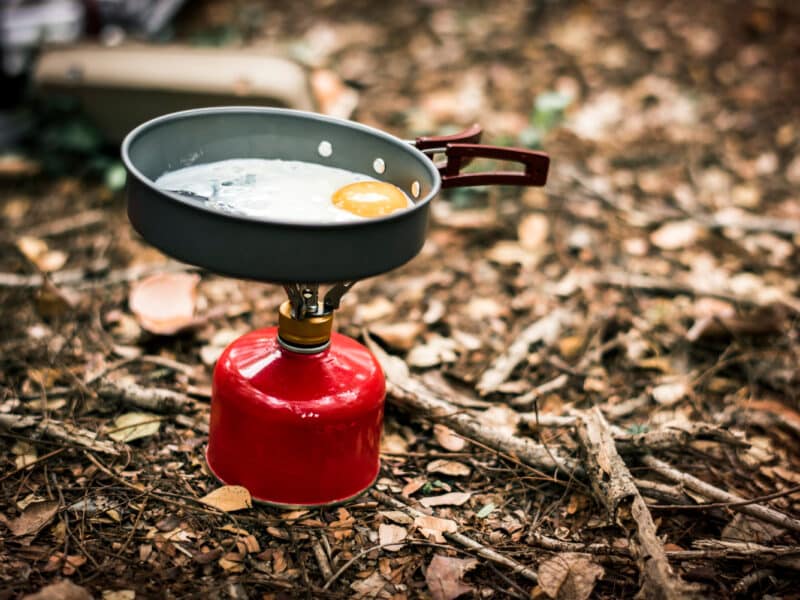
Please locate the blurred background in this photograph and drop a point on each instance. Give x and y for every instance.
(78, 74)
(669, 229)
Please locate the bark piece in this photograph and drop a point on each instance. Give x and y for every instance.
(614, 485)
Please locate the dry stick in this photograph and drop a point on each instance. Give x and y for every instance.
(659, 439)
(735, 502)
(749, 580)
(790, 492)
(675, 286)
(67, 224)
(59, 430)
(29, 465)
(322, 558)
(461, 539)
(614, 484)
(413, 395)
(154, 399)
(540, 390)
(785, 556)
(547, 328)
(84, 279)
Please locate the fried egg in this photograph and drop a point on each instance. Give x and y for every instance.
(286, 190)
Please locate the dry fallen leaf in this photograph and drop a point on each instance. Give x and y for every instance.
(501, 418)
(447, 439)
(444, 576)
(451, 499)
(389, 534)
(398, 335)
(569, 576)
(393, 443)
(37, 251)
(435, 351)
(371, 587)
(397, 516)
(63, 590)
(676, 235)
(532, 231)
(434, 527)
(134, 425)
(164, 304)
(228, 498)
(33, 518)
(119, 595)
(448, 467)
(670, 393)
(332, 95)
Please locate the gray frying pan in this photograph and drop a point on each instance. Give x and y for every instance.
(185, 227)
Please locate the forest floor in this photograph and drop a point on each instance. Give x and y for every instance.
(592, 386)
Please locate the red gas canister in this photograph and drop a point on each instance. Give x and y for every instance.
(296, 426)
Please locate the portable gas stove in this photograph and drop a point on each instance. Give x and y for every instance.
(297, 410)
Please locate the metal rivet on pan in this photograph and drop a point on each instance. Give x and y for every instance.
(415, 189)
(379, 165)
(325, 149)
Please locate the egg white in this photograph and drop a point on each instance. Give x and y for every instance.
(270, 189)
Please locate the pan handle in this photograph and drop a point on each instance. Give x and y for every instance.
(459, 154)
(471, 135)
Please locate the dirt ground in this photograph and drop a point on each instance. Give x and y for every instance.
(655, 278)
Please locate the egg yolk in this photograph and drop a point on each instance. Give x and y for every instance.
(370, 198)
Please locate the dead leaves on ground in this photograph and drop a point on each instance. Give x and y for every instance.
(164, 304)
(228, 498)
(569, 576)
(35, 517)
(133, 426)
(445, 574)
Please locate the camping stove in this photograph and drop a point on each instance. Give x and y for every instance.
(297, 410)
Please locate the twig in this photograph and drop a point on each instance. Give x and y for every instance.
(661, 492)
(781, 494)
(83, 278)
(735, 502)
(785, 556)
(322, 558)
(154, 399)
(614, 484)
(42, 458)
(545, 329)
(659, 439)
(461, 539)
(410, 393)
(60, 431)
(676, 286)
(80, 220)
(749, 580)
(549, 386)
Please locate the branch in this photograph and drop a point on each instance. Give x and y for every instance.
(59, 430)
(737, 503)
(461, 539)
(614, 484)
(154, 399)
(547, 328)
(411, 394)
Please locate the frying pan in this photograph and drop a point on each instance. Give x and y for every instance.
(186, 227)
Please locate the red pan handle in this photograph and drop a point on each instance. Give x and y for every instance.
(471, 135)
(459, 154)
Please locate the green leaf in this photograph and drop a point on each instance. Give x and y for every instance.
(637, 429)
(486, 510)
(548, 110)
(115, 176)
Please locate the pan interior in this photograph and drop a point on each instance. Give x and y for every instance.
(209, 135)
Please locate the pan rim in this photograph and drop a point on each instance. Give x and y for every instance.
(423, 159)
